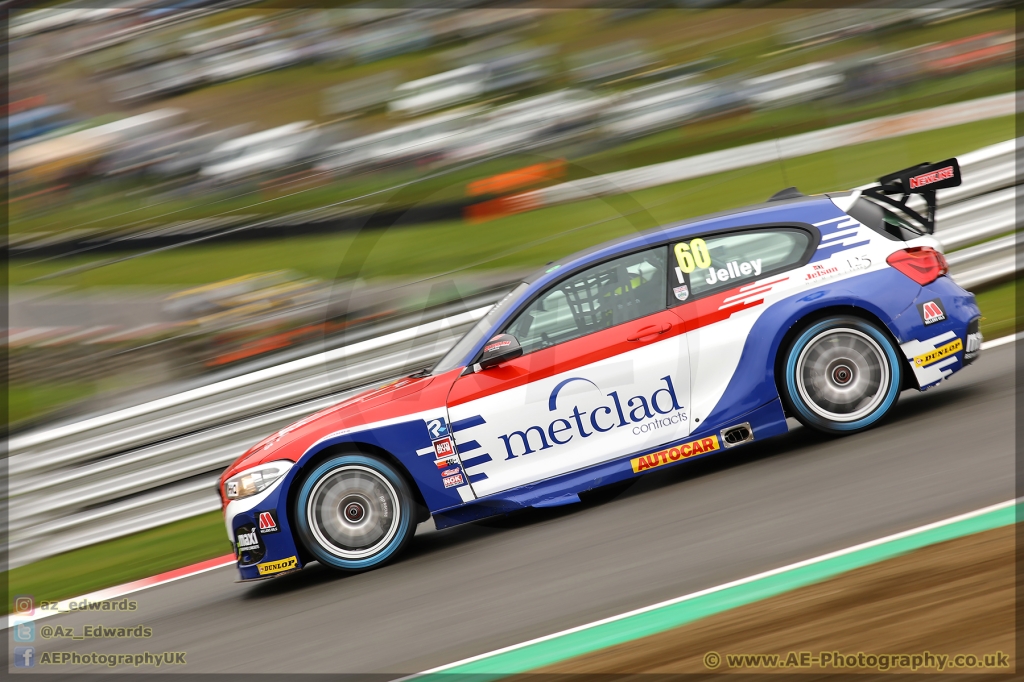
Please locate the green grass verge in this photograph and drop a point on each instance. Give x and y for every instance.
(119, 561)
(29, 400)
(1000, 316)
(526, 240)
(185, 542)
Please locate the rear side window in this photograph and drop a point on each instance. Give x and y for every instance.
(707, 264)
(882, 220)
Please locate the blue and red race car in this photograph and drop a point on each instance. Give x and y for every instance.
(665, 346)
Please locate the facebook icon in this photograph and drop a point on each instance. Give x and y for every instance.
(24, 656)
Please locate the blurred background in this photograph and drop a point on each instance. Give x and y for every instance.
(204, 189)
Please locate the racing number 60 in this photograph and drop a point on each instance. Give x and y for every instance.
(693, 255)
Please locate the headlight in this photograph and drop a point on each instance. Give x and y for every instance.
(255, 480)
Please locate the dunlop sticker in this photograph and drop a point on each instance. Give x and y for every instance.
(674, 454)
(277, 566)
(954, 346)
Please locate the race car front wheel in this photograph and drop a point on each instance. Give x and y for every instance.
(842, 375)
(354, 512)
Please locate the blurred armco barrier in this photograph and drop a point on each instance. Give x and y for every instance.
(144, 466)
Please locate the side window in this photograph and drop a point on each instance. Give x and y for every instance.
(882, 220)
(612, 293)
(722, 261)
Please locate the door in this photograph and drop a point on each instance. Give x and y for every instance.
(604, 373)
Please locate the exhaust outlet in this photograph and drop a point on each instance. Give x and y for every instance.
(735, 435)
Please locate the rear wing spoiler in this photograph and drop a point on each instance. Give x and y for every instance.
(923, 179)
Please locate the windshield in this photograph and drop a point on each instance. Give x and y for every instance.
(453, 358)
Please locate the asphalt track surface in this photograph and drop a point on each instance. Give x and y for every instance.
(472, 589)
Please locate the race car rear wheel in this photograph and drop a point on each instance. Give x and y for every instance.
(354, 512)
(842, 375)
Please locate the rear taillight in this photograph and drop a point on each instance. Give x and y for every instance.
(923, 264)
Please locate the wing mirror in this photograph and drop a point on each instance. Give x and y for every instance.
(501, 348)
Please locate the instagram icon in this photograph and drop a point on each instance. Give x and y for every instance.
(24, 605)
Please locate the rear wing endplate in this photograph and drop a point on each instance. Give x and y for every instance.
(923, 179)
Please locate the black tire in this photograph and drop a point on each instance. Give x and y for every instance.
(355, 512)
(841, 375)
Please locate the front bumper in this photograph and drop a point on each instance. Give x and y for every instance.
(259, 530)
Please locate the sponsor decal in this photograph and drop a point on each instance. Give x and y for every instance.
(444, 447)
(682, 292)
(268, 522)
(452, 481)
(819, 271)
(973, 345)
(734, 270)
(660, 422)
(836, 268)
(451, 472)
(437, 428)
(931, 178)
(496, 345)
(933, 356)
(674, 454)
(249, 545)
(932, 311)
(449, 461)
(232, 489)
(246, 540)
(272, 567)
(661, 408)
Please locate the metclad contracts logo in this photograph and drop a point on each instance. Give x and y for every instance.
(612, 415)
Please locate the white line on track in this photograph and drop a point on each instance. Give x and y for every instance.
(985, 345)
(77, 604)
